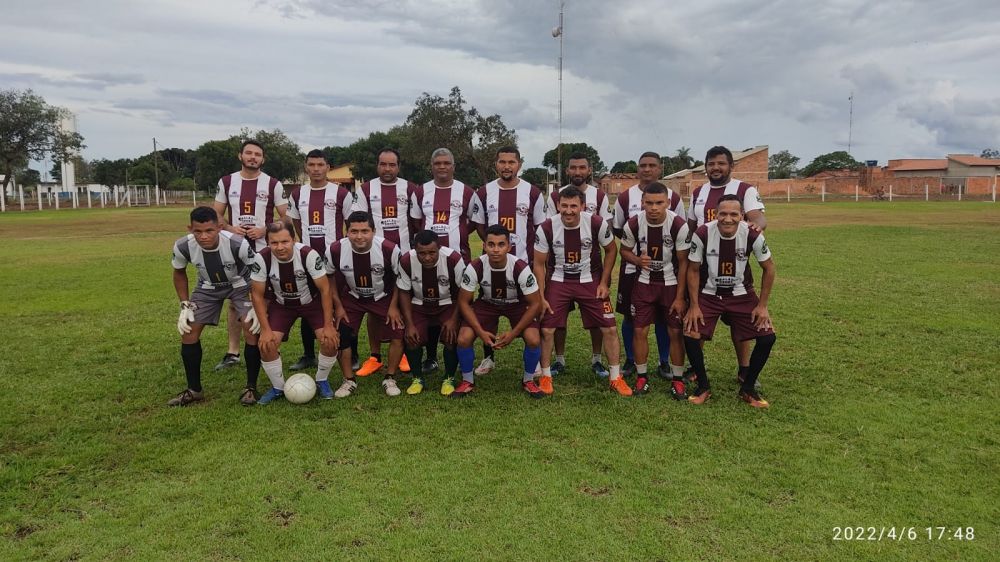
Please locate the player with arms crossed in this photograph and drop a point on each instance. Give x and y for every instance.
(656, 242)
(289, 282)
(506, 288)
(570, 245)
(719, 282)
(222, 260)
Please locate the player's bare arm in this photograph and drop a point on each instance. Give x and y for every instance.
(329, 335)
(393, 318)
(449, 328)
(540, 270)
(339, 312)
(760, 315)
(181, 284)
(465, 306)
(694, 317)
(268, 340)
(220, 209)
(412, 335)
(610, 255)
(757, 220)
(532, 312)
(679, 306)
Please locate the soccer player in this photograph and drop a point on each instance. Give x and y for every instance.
(656, 242)
(570, 245)
(518, 206)
(289, 282)
(596, 203)
(252, 198)
(703, 208)
(629, 204)
(223, 261)
(318, 212)
(719, 282)
(428, 283)
(364, 269)
(506, 288)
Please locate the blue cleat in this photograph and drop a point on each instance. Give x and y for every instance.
(270, 395)
(324, 390)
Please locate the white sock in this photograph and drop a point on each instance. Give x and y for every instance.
(273, 371)
(546, 371)
(677, 371)
(528, 377)
(323, 367)
(561, 359)
(640, 369)
(595, 358)
(615, 372)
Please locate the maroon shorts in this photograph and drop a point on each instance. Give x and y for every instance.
(625, 284)
(651, 304)
(596, 313)
(425, 316)
(357, 308)
(281, 316)
(737, 310)
(489, 314)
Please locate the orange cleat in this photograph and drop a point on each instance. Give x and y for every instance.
(370, 366)
(753, 399)
(700, 398)
(545, 383)
(621, 387)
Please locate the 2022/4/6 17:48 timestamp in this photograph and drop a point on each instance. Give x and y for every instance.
(904, 533)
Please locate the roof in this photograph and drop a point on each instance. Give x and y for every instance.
(918, 164)
(737, 156)
(970, 160)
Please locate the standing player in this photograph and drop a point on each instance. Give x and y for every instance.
(506, 288)
(518, 206)
(289, 282)
(656, 242)
(223, 261)
(428, 283)
(364, 269)
(318, 212)
(252, 198)
(570, 245)
(628, 205)
(596, 203)
(703, 209)
(719, 282)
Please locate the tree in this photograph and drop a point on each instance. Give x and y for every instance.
(781, 165)
(28, 177)
(535, 176)
(629, 167)
(550, 160)
(283, 158)
(839, 160)
(364, 154)
(990, 153)
(215, 159)
(29, 129)
(182, 184)
(110, 173)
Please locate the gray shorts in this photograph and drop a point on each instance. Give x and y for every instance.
(211, 301)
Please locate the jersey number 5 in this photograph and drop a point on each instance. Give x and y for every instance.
(247, 207)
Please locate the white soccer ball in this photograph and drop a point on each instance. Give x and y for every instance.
(300, 388)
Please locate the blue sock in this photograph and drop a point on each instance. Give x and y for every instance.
(531, 357)
(466, 363)
(663, 342)
(627, 328)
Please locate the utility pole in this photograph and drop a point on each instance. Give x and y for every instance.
(558, 33)
(850, 123)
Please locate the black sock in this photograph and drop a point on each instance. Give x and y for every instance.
(697, 359)
(191, 356)
(761, 351)
(308, 340)
(252, 355)
(377, 357)
(450, 362)
(354, 349)
(487, 351)
(742, 372)
(415, 357)
(433, 336)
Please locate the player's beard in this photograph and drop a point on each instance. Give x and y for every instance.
(723, 180)
(578, 181)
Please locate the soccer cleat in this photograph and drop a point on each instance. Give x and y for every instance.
(532, 389)
(486, 366)
(228, 360)
(678, 390)
(700, 397)
(558, 368)
(355, 365)
(447, 387)
(389, 385)
(545, 384)
(370, 366)
(600, 370)
(429, 366)
(753, 399)
(629, 367)
(270, 396)
(346, 389)
(304, 363)
(187, 397)
(249, 396)
(621, 387)
(416, 386)
(324, 389)
(690, 375)
(404, 365)
(641, 386)
(463, 389)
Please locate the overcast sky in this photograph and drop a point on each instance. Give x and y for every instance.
(638, 75)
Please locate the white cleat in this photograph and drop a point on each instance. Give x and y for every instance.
(485, 367)
(346, 388)
(390, 387)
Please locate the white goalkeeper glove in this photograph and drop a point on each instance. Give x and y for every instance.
(186, 317)
(254, 322)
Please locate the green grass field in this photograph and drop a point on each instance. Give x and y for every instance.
(883, 383)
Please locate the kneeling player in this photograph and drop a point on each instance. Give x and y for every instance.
(655, 241)
(298, 289)
(223, 262)
(720, 282)
(506, 288)
(429, 276)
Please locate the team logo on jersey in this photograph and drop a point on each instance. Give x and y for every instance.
(475, 208)
(530, 281)
(300, 274)
(631, 307)
(401, 200)
(347, 268)
(254, 267)
(590, 207)
(485, 283)
(330, 204)
(377, 269)
(763, 248)
(320, 262)
(493, 208)
(713, 252)
(694, 247)
(443, 280)
(557, 244)
(375, 197)
(586, 243)
(234, 193)
(466, 279)
(511, 284)
(456, 204)
(522, 209)
(262, 196)
(228, 266)
(741, 254)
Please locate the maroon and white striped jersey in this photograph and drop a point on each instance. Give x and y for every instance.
(447, 211)
(369, 275)
(291, 282)
(431, 286)
(629, 204)
(322, 212)
(574, 253)
(227, 266)
(507, 285)
(725, 263)
(705, 199)
(520, 210)
(596, 202)
(251, 202)
(389, 205)
(660, 242)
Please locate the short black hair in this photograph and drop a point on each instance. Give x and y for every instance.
(425, 237)
(498, 230)
(650, 154)
(578, 156)
(316, 153)
(253, 142)
(387, 149)
(718, 151)
(730, 197)
(655, 187)
(204, 214)
(510, 149)
(279, 225)
(571, 192)
(360, 216)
